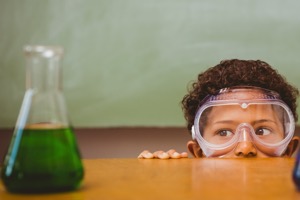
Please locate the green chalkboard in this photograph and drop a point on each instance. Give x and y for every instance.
(128, 62)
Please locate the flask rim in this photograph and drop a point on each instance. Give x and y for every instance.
(45, 51)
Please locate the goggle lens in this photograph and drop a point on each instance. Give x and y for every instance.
(236, 115)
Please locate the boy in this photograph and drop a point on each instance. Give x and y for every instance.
(239, 108)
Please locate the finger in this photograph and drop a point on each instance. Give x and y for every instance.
(156, 153)
(171, 151)
(146, 154)
(173, 154)
(184, 155)
(163, 155)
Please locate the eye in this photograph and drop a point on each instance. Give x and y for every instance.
(225, 133)
(262, 131)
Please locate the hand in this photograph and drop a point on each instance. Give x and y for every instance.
(162, 155)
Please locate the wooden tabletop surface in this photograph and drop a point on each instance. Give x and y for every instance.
(268, 178)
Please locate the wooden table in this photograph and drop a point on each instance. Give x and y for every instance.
(269, 178)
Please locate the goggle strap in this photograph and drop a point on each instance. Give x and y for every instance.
(193, 132)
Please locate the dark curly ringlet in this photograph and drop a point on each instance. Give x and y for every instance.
(237, 73)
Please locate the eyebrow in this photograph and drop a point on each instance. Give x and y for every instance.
(264, 120)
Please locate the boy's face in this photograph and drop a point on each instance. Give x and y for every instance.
(245, 130)
(224, 121)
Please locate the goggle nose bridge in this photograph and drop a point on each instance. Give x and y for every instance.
(244, 132)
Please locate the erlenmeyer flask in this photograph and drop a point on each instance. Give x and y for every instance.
(43, 155)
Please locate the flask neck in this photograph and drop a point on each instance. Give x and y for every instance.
(44, 100)
(43, 69)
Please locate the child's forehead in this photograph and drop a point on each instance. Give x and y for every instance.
(236, 112)
(237, 108)
(242, 95)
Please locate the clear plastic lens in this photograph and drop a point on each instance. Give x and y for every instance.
(221, 123)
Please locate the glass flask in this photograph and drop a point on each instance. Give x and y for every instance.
(43, 155)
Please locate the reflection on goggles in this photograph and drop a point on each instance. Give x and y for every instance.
(221, 124)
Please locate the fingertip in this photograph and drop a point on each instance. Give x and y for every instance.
(148, 155)
(184, 154)
(163, 155)
(175, 155)
(140, 157)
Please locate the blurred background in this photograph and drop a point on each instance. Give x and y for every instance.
(128, 63)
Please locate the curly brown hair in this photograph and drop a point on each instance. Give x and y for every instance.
(237, 73)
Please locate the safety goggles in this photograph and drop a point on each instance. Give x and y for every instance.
(241, 114)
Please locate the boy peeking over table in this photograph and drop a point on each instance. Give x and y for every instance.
(238, 109)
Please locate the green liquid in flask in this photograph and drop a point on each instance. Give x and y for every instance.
(43, 160)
